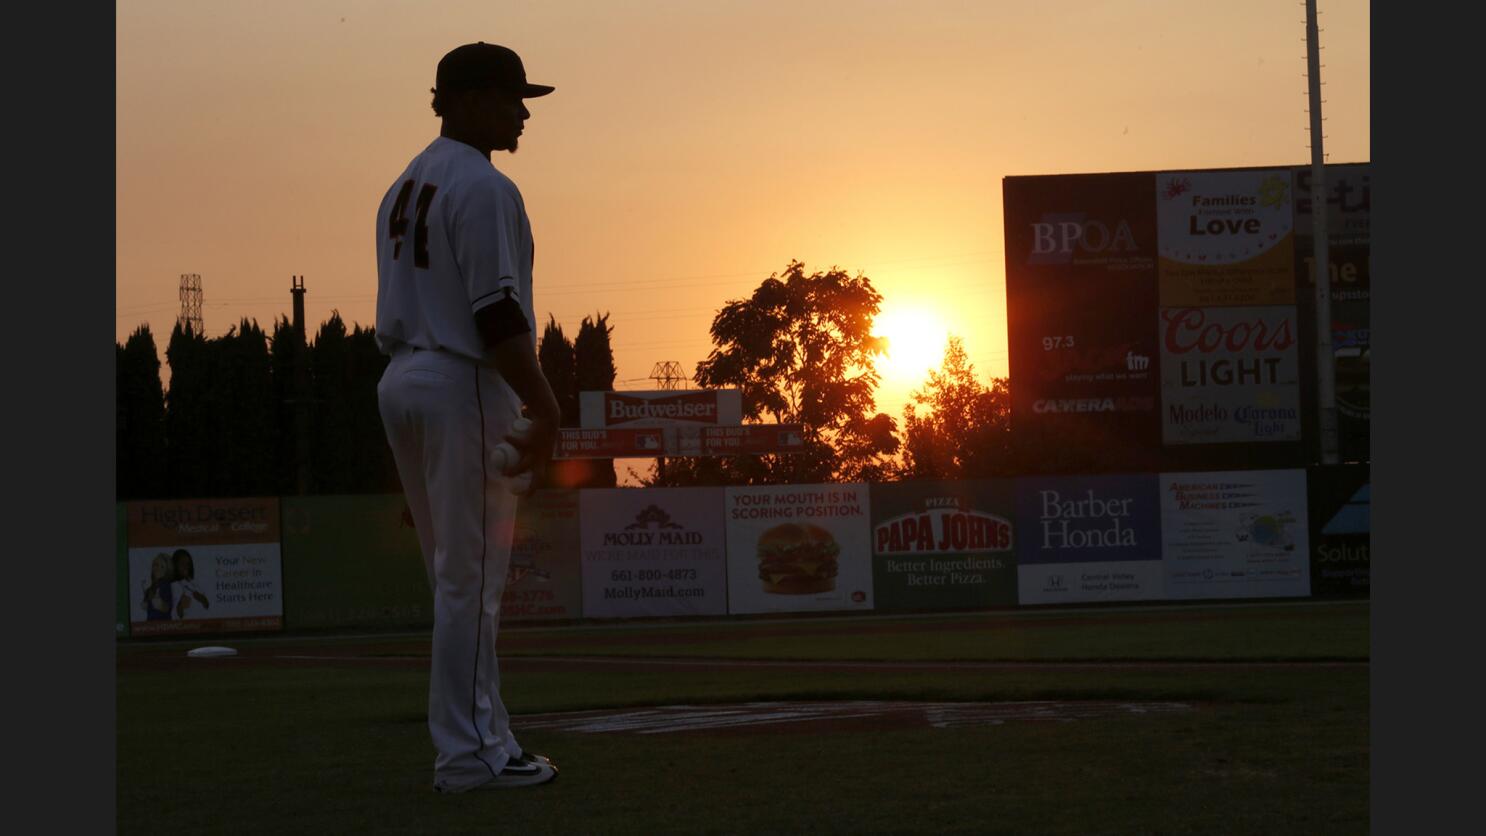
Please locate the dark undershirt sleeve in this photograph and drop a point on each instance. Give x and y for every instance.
(503, 320)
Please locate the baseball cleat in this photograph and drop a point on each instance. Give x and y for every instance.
(515, 774)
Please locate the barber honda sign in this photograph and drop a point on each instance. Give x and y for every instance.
(663, 408)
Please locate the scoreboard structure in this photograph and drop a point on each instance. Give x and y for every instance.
(1166, 320)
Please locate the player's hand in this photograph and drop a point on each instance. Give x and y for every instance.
(536, 449)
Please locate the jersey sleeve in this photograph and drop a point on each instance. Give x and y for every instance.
(486, 244)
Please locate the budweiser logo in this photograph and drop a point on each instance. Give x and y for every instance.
(698, 407)
(1189, 329)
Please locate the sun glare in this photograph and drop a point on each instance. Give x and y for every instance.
(915, 340)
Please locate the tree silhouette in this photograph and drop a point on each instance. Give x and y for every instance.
(139, 422)
(800, 349)
(349, 452)
(188, 416)
(964, 430)
(593, 356)
(285, 349)
(240, 413)
(555, 354)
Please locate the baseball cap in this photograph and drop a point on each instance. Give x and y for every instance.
(480, 64)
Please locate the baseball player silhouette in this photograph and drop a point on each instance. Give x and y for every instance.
(454, 312)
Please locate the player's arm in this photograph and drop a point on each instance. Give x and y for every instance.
(486, 245)
(508, 344)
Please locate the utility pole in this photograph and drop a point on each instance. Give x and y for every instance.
(1320, 237)
(301, 390)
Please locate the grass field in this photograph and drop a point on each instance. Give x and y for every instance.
(1275, 741)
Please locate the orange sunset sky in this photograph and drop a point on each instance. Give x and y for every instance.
(693, 147)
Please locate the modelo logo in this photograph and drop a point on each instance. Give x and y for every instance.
(622, 409)
(943, 532)
(1188, 329)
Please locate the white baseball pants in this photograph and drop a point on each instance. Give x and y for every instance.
(444, 414)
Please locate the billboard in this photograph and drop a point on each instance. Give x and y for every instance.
(653, 552)
(353, 561)
(796, 548)
(1081, 287)
(1230, 374)
(943, 545)
(660, 408)
(1341, 530)
(1235, 534)
(1088, 538)
(1226, 238)
(1349, 270)
(543, 578)
(204, 566)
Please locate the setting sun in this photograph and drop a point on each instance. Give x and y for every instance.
(915, 339)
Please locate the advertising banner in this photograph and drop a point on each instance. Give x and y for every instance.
(660, 408)
(1081, 291)
(943, 545)
(204, 566)
(1230, 375)
(543, 580)
(353, 561)
(608, 444)
(653, 552)
(795, 548)
(121, 569)
(1226, 238)
(1348, 204)
(1235, 534)
(1088, 538)
(1341, 530)
(1349, 269)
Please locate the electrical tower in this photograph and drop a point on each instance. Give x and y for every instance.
(191, 304)
(668, 375)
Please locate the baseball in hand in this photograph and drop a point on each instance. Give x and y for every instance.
(506, 454)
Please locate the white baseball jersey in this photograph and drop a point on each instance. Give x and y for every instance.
(452, 237)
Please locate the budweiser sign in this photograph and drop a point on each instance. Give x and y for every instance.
(706, 407)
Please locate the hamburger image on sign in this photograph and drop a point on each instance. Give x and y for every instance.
(797, 559)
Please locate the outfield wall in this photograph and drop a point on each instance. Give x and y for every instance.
(332, 562)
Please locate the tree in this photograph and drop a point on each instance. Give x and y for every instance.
(965, 429)
(800, 350)
(286, 348)
(139, 422)
(188, 431)
(555, 355)
(593, 360)
(349, 452)
(240, 402)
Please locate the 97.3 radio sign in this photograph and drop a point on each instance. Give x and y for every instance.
(1080, 281)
